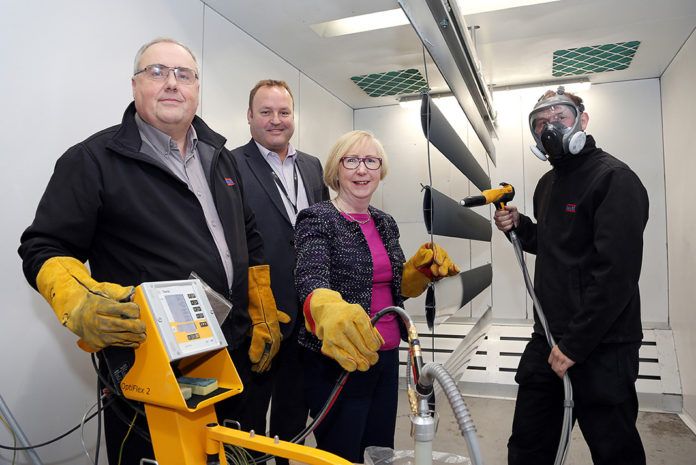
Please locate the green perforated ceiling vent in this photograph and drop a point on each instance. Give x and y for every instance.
(404, 81)
(594, 59)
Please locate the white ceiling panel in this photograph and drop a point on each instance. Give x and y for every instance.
(515, 45)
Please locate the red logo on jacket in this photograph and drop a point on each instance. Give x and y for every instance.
(229, 182)
(570, 208)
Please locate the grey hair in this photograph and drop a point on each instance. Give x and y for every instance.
(159, 40)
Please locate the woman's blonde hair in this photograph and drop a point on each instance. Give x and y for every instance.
(342, 147)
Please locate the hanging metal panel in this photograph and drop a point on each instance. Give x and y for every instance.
(445, 217)
(443, 136)
(452, 294)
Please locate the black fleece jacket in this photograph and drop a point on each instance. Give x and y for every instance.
(591, 210)
(136, 222)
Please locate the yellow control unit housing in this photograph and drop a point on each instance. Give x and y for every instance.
(186, 432)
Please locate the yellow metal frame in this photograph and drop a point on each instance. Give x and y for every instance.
(186, 435)
(289, 450)
(151, 380)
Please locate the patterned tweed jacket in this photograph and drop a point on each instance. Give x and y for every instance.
(332, 253)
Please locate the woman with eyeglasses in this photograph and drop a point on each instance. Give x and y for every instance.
(349, 267)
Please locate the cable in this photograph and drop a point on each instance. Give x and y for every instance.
(14, 438)
(121, 416)
(341, 382)
(321, 415)
(111, 388)
(430, 305)
(84, 420)
(117, 411)
(434, 371)
(567, 425)
(130, 428)
(427, 144)
(430, 296)
(58, 438)
(82, 430)
(99, 422)
(239, 455)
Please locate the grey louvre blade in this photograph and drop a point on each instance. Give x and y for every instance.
(445, 138)
(465, 351)
(451, 294)
(448, 218)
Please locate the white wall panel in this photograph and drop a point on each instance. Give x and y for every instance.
(678, 103)
(325, 118)
(233, 63)
(533, 169)
(509, 295)
(639, 144)
(481, 251)
(67, 75)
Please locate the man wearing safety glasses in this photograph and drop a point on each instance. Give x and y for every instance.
(591, 210)
(154, 198)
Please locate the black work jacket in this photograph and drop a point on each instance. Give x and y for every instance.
(135, 221)
(591, 210)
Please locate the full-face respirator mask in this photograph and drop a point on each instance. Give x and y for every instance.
(556, 127)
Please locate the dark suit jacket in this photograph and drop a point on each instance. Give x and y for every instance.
(261, 194)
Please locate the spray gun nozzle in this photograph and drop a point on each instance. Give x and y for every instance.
(500, 196)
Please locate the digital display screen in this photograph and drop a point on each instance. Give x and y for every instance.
(179, 308)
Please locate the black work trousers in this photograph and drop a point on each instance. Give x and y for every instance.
(606, 406)
(123, 441)
(364, 413)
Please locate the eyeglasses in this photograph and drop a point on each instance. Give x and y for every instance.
(159, 72)
(352, 163)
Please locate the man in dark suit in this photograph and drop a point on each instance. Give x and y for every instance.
(279, 182)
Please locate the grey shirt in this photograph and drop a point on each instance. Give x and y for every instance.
(285, 170)
(188, 168)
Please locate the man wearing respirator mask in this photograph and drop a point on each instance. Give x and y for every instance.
(591, 210)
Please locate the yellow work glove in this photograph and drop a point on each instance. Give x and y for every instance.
(265, 330)
(345, 330)
(94, 311)
(430, 263)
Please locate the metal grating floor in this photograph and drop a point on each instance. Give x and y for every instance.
(491, 372)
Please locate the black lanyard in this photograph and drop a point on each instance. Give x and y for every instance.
(282, 188)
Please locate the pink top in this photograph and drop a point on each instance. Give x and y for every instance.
(387, 326)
